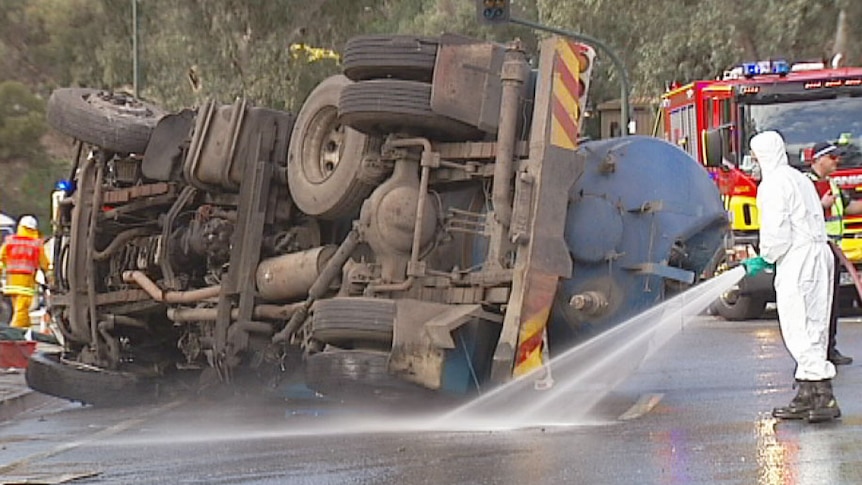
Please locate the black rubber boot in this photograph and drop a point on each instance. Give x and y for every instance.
(801, 405)
(837, 358)
(825, 406)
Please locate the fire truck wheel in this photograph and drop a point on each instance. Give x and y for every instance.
(328, 169)
(738, 307)
(355, 375)
(848, 302)
(407, 57)
(6, 310)
(47, 374)
(384, 106)
(113, 121)
(353, 321)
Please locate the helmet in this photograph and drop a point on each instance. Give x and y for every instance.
(29, 222)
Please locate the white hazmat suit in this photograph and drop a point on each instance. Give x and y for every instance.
(793, 237)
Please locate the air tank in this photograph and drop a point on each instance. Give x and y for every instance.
(289, 276)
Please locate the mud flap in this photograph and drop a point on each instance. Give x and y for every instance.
(421, 336)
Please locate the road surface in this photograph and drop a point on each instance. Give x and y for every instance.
(695, 413)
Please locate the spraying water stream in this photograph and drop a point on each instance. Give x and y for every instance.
(583, 376)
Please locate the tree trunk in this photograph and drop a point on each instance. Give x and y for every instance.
(839, 46)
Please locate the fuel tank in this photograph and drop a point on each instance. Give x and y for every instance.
(643, 221)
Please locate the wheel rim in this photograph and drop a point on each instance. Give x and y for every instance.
(730, 297)
(120, 103)
(322, 150)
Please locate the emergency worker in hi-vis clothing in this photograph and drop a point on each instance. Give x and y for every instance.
(21, 256)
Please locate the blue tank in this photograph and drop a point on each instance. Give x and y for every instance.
(643, 222)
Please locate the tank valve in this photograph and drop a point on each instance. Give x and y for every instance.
(589, 302)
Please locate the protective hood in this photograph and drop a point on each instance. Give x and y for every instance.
(770, 151)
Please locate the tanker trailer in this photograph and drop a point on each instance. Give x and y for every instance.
(403, 234)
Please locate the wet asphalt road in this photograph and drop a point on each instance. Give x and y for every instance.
(696, 413)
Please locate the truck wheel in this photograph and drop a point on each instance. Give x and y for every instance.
(113, 121)
(380, 107)
(6, 310)
(344, 321)
(327, 171)
(48, 375)
(355, 375)
(735, 307)
(406, 57)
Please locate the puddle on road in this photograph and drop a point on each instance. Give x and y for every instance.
(583, 376)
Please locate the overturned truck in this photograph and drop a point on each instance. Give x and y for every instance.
(428, 221)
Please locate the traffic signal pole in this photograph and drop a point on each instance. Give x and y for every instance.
(495, 12)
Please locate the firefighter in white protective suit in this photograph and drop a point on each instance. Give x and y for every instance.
(793, 240)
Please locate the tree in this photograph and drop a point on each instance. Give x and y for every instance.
(22, 121)
(662, 41)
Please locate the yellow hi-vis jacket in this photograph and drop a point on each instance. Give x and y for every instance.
(21, 270)
(835, 218)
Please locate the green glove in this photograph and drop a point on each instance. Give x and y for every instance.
(755, 265)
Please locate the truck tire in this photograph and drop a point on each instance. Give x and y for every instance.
(380, 107)
(731, 305)
(327, 173)
(48, 375)
(738, 307)
(6, 310)
(344, 321)
(113, 121)
(355, 375)
(407, 57)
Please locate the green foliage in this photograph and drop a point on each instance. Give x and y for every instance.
(662, 41)
(28, 173)
(236, 48)
(29, 190)
(22, 121)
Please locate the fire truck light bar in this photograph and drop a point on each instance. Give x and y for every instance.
(780, 67)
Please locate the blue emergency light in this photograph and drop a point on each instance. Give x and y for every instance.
(780, 67)
(65, 186)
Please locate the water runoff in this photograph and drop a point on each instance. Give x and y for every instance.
(582, 377)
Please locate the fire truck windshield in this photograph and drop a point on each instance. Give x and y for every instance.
(804, 123)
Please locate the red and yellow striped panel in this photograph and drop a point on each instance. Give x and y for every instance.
(567, 93)
(539, 296)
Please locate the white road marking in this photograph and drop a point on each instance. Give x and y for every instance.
(643, 406)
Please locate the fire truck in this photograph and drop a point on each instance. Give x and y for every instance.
(713, 120)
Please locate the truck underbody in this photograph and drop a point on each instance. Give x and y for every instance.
(405, 232)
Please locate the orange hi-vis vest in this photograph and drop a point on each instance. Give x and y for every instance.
(22, 254)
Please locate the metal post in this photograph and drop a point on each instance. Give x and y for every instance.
(624, 77)
(135, 76)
